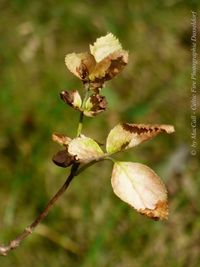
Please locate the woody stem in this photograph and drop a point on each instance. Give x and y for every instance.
(28, 230)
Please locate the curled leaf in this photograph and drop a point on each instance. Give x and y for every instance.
(63, 159)
(61, 139)
(95, 105)
(106, 60)
(140, 187)
(127, 135)
(80, 64)
(85, 149)
(109, 67)
(73, 99)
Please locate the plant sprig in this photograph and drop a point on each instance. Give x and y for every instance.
(134, 183)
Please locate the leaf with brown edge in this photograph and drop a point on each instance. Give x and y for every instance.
(85, 149)
(140, 187)
(72, 99)
(80, 64)
(109, 67)
(106, 60)
(61, 139)
(95, 105)
(127, 135)
(63, 159)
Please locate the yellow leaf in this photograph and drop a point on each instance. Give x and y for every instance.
(85, 149)
(105, 46)
(127, 135)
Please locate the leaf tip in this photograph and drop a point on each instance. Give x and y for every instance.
(160, 212)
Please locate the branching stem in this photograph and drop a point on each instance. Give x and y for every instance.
(75, 170)
(4, 249)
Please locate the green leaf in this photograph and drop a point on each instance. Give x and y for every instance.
(85, 149)
(126, 135)
(140, 187)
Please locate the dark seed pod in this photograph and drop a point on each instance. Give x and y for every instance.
(63, 159)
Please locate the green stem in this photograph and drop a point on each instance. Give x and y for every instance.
(111, 159)
(80, 123)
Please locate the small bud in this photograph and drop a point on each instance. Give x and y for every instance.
(95, 105)
(73, 99)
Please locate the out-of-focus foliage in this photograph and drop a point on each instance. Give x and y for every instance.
(90, 226)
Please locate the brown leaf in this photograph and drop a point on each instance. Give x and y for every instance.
(63, 159)
(160, 211)
(109, 67)
(61, 139)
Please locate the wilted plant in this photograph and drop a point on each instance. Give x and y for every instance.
(134, 183)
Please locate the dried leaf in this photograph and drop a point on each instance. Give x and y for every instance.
(105, 46)
(140, 187)
(85, 149)
(63, 159)
(80, 64)
(61, 139)
(126, 135)
(72, 98)
(106, 60)
(109, 67)
(95, 105)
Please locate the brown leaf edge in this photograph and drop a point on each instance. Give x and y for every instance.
(160, 212)
(99, 104)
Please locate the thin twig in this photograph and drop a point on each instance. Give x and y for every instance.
(28, 230)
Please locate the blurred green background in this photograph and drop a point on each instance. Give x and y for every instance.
(90, 226)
